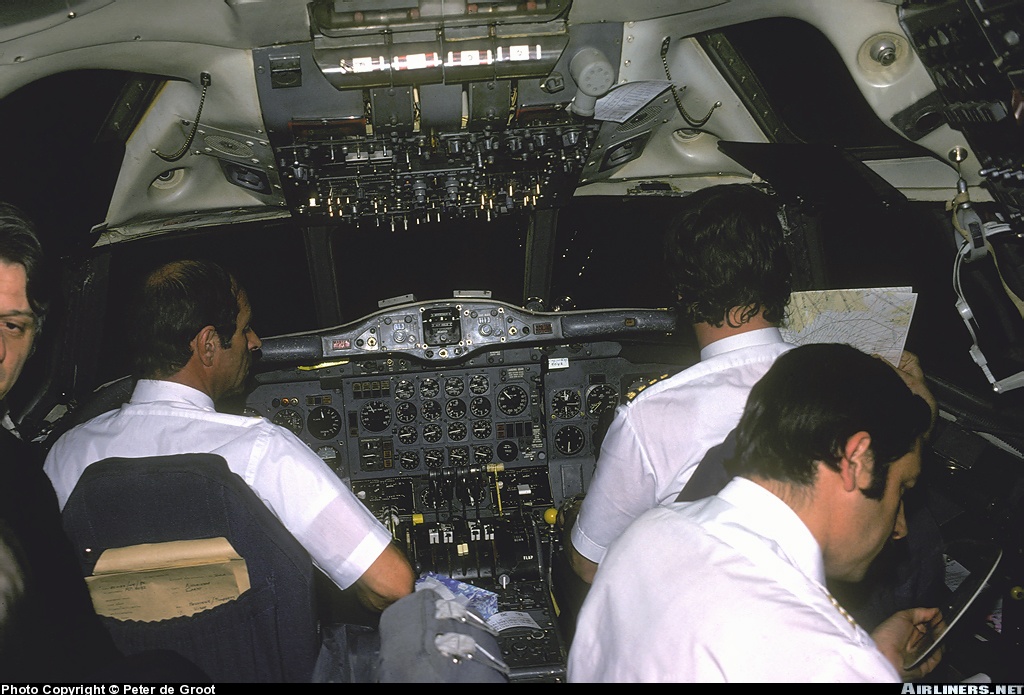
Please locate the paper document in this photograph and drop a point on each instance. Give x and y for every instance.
(875, 320)
(623, 102)
(157, 581)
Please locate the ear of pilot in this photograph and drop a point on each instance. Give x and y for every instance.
(808, 493)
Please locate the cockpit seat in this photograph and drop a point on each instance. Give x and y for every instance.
(267, 634)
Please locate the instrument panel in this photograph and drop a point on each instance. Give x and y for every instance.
(461, 453)
(539, 407)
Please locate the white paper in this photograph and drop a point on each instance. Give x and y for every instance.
(624, 101)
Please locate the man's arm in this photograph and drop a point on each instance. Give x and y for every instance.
(388, 579)
(583, 567)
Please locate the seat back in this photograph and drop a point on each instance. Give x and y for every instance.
(269, 633)
(711, 475)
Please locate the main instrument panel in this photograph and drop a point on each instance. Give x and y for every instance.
(461, 454)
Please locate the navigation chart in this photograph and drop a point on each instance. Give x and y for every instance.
(875, 320)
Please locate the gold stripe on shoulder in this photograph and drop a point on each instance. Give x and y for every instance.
(650, 382)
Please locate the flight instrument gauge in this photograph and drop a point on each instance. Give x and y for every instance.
(429, 388)
(601, 397)
(457, 431)
(566, 404)
(431, 410)
(324, 422)
(329, 455)
(483, 455)
(375, 416)
(569, 440)
(478, 384)
(407, 434)
(288, 418)
(480, 406)
(404, 390)
(454, 386)
(405, 411)
(455, 408)
(513, 399)
(409, 460)
(458, 456)
(432, 433)
(434, 458)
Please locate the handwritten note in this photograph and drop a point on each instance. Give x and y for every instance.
(158, 581)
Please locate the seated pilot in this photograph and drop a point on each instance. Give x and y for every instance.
(194, 346)
(732, 588)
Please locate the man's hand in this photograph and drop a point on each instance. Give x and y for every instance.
(910, 371)
(907, 633)
(388, 579)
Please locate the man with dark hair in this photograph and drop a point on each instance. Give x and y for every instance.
(726, 256)
(50, 630)
(194, 346)
(733, 587)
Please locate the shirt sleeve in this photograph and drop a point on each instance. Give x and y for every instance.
(341, 534)
(624, 487)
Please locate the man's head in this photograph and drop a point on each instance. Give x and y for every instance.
(840, 431)
(192, 319)
(24, 295)
(724, 250)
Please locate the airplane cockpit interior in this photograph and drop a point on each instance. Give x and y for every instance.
(448, 217)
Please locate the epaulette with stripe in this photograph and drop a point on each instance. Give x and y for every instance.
(630, 395)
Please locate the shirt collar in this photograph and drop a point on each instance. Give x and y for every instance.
(778, 523)
(150, 390)
(762, 336)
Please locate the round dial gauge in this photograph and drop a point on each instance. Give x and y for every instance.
(404, 390)
(429, 388)
(508, 451)
(569, 440)
(566, 404)
(409, 460)
(324, 422)
(513, 399)
(407, 434)
(601, 397)
(482, 429)
(431, 410)
(478, 384)
(432, 433)
(457, 431)
(289, 418)
(405, 411)
(458, 456)
(434, 458)
(455, 408)
(483, 455)
(454, 386)
(480, 406)
(375, 416)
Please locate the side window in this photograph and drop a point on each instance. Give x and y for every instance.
(807, 89)
(269, 260)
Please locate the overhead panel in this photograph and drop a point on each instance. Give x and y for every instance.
(402, 112)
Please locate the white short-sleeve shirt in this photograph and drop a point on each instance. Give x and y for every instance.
(657, 439)
(730, 588)
(163, 418)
